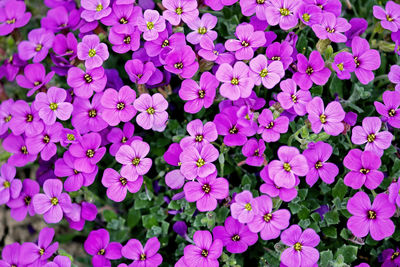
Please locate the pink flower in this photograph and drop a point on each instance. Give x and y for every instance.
(205, 252)
(92, 51)
(290, 97)
(153, 114)
(117, 186)
(271, 189)
(177, 10)
(245, 207)
(143, 257)
(151, 24)
(118, 105)
(267, 74)
(199, 134)
(270, 128)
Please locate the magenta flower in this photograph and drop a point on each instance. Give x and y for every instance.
(10, 188)
(253, 150)
(271, 189)
(124, 39)
(235, 236)
(35, 77)
(44, 143)
(22, 205)
(244, 207)
(291, 98)
(92, 51)
(153, 112)
(88, 212)
(11, 255)
(269, 224)
(290, 165)
(118, 105)
(206, 192)
(280, 52)
(199, 134)
(59, 261)
(52, 105)
(249, 7)
(311, 71)
(99, 246)
(317, 154)
(177, 10)
(84, 83)
(13, 16)
(394, 193)
(363, 166)
(369, 133)
(394, 76)
(282, 12)
(373, 219)
(236, 82)
(212, 52)
(151, 24)
(5, 115)
(267, 74)
(119, 137)
(344, 64)
(138, 71)
(40, 41)
(332, 28)
(390, 108)
(133, 158)
(65, 45)
(391, 257)
(95, 9)
(331, 6)
(146, 256)
(124, 15)
(182, 61)
(358, 27)
(302, 251)
(390, 18)
(366, 60)
(202, 28)
(197, 162)
(25, 119)
(87, 152)
(53, 203)
(270, 128)
(249, 40)
(17, 146)
(310, 14)
(117, 186)
(330, 118)
(205, 252)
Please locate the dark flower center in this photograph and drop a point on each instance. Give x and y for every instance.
(201, 93)
(127, 39)
(357, 61)
(294, 98)
(309, 70)
(41, 251)
(392, 112)
(29, 118)
(235, 238)
(389, 18)
(204, 253)
(179, 11)
(371, 138)
(270, 125)
(233, 130)
(330, 30)
(27, 200)
(286, 167)
(199, 138)
(371, 215)
(90, 153)
(178, 65)
(245, 44)
(260, 2)
(165, 43)
(123, 140)
(8, 118)
(142, 257)
(75, 171)
(364, 171)
(38, 47)
(206, 188)
(46, 139)
(297, 246)
(318, 164)
(256, 153)
(24, 150)
(267, 217)
(120, 106)
(88, 78)
(36, 83)
(200, 162)
(92, 113)
(101, 252)
(123, 180)
(123, 21)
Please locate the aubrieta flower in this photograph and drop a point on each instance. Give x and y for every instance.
(99, 246)
(117, 186)
(366, 59)
(244, 207)
(317, 154)
(5, 115)
(16, 145)
(85, 82)
(301, 251)
(95, 9)
(22, 205)
(270, 128)
(199, 134)
(58, 19)
(358, 27)
(344, 65)
(143, 256)
(87, 116)
(329, 118)
(390, 18)
(267, 74)
(124, 39)
(40, 41)
(182, 61)
(311, 71)
(282, 12)
(119, 137)
(249, 40)
(369, 133)
(394, 193)
(202, 28)
(65, 45)
(249, 7)
(310, 14)
(269, 224)
(177, 10)
(34, 78)
(151, 24)
(92, 51)
(59, 261)
(394, 76)
(236, 82)
(373, 219)
(391, 257)
(212, 52)
(364, 167)
(10, 188)
(11, 255)
(235, 236)
(253, 150)
(164, 43)
(88, 212)
(25, 119)
(123, 15)
(271, 189)
(280, 52)
(138, 71)
(13, 16)
(291, 98)
(44, 143)
(53, 203)
(205, 252)
(332, 28)
(290, 165)
(390, 108)
(118, 105)
(153, 114)
(327, 6)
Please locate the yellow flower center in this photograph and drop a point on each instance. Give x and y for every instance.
(178, 66)
(123, 180)
(92, 52)
(88, 78)
(24, 150)
(309, 70)
(202, 30)
(53, 106)
(120, 106)
(11, 21)
(267, 217)
(200, 162)
(330, 30)
(6, 184)
(248, 207)
(276, 58)
(322, 118)
(318, 164)
(389, 18)
(142, 257)
(364, 171)
(199, 138)
(127, 39)
(90, 153)
(234, 81)
(54, 201)
(46, 139)
(101, 252)
(371, 138)
(340, 66)
(260, 2)
(150, 110)
(201, 93)
(294, 98)
(41, 251)
(123, 21)
(179, 11)
(392, 112)
(233, 130)
(306, 17)
(371, 214)
(29, 118)
(36, 83)
(8, 118)
(286, 167)
(235, 238)
(150, 25)
(297, 246)
(38, 47)
(270, 125)
(165, 43)
(136, 161)
(206, 188)
(264, 73)
(99, 7)
(92, 113)
(70, 137)
(284, 11)
(204, 253)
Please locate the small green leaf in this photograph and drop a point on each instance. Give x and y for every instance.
(339, 190)
(331, 217)
(349, 253)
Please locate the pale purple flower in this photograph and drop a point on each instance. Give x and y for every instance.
(327, 6)
(65, 45)
(394, 193)
(390, 108)
(332, 28)
(202, 28)
(22, 205)
(92, 51)
(249, 7)
(366, 60)
(390, 18)
(177, 10)
(271, 189)
(45, 142)
(117, 186)
(267, 74)
(212, 52)
(124, 39)
(153, 114)
(280, 52)
(282, 12)
(118, 105)
(291, 98)
(253, 150)
(40, 41)
(95, 9)
(344, 64)
(25, 119)
(34, 78)
(5, 115)
(59, 261)
(199, 134)
(394, 76)
(143, 256)
(151, 24)
(13, 16)
(11, 254)
(10, 188)
(244, 207)
(310, 14)
(138, 71)
(270, 128)
(85, 82)
(20, 154)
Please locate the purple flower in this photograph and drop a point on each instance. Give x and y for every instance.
(373, 219)
(11, 255)
(390, 18)
(84, 83)
(177, 10)
(197, 162)
(253, 150)
(180, 228)
(117, 186)
(87, 152)
(267, 74)
(311, 71)
(369, 133)
(36, 254)
(13, 16)
(153, 114)
(317, 154)
(146, 256)
(327, 6)
(391, 257)
(40, 41)
(17, 146)
(59, 261)
(249, 7)
(269, 224)
(301, 251)
(236, 82)
(235, 236)
(124, 39)
(330, 118)
(331, 28)
(282, 12)
(123, 15)
(202, 28)
(199, 134)
(206, 192)
(35, 77)
(205, 252)
(390, 108)
(119, 137)
(291, 98)
(310, 14)
(358, 27)
(22, 205)
(270, 128)
(394, 193)
(10, 188)
(164, 44)
(244, 207)
(394, 76)
(212, 52)
(344, 64)
(88, 212)
(366, 59)
(182, 61)
(138, 72)
(249, 40)
(270, 188)
(25, 119)
(118, 105)
(99, 246)
(280, 52)
(5, 115)
(95, 9)
(57, 19)
(92, 51)
(151, 24)
(363, 166)
(53, 203)
(290, 165)
(44, 143)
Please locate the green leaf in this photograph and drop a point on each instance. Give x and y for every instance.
(330, 232)
(331, 217)
(149, 221)
(349, 253)
(141, 204)
(133, 218)
(109, 215)
(294, 207)
(339, 190)
(303, 213)
(325, 257)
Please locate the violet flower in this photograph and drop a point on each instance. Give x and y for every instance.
(164, 44)
(366, 60)
(59, 261)
(119, 137)
(5, 115)
(95, 9)
(390, 18)
(267, 74)
(182, 61)
(20, 154)
(99, 246)
(199, 134)
(138, 71)
(249, 7)
(117, 186)
(253, 150)
(13, 16)
(358, 27)
(124, 39)
(280, 52)
(25, 119)
(123, 15)
(310, 14)
(143, 256)
(270, 128)
(202, 28)
(282, 12)
(205, 252)
(244, 207)
(92, 51)
(34, 78)
(11, 255)
(344, 64)
(177, 10)
(118, 105)
(58, 19)
(271, 189)
(394, 76)
(391, 257)
(291, 98)
(390, 108)
(85, 82)
(151, 24)
(44, 143)
(212, 52)
(10, 188)
(394, 193)
(22, 205)
(40, 41)
(332, 28)
(153, 114)
(327, 6)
